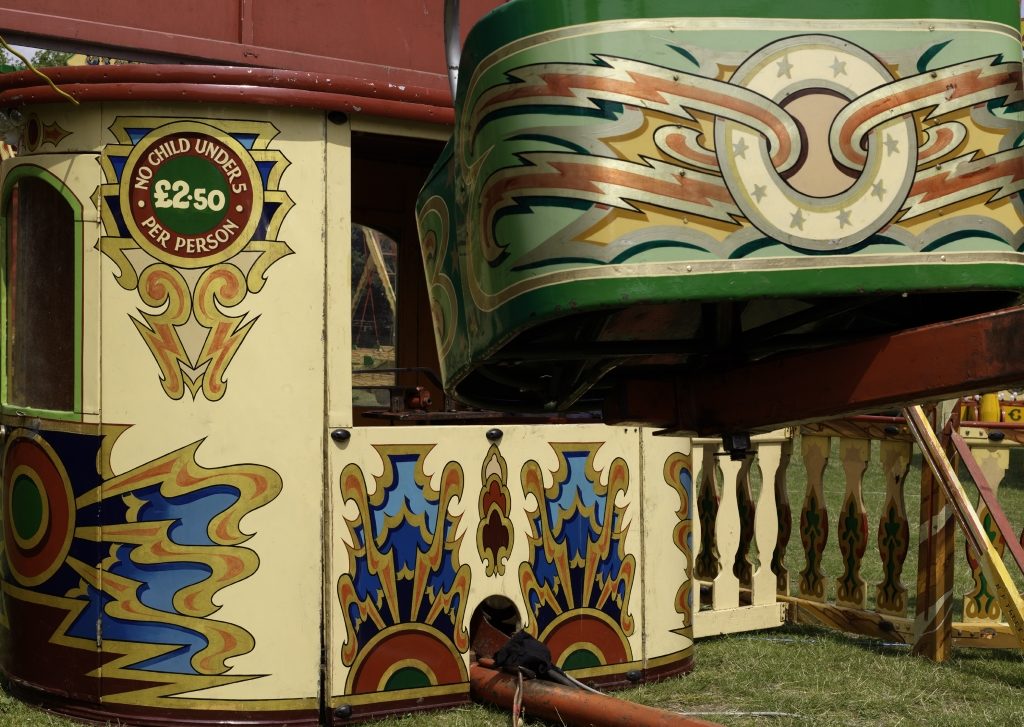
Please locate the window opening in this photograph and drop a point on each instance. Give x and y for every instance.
(374, 312)
(41, 294)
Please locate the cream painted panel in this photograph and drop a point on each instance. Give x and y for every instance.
(766, 519)
(59, 127)
(668, 511)
(263, 436)
(91, 318)
(377, 467)
(78, 172)
(339, 278)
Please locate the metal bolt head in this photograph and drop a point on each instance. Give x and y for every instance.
(493, 435)
(341, 435)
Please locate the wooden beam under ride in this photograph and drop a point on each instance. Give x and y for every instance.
(937, 361)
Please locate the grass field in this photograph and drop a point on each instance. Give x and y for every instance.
(801, 675)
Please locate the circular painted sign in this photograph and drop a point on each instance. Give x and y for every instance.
(191, 195)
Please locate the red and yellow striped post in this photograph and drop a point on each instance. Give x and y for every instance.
(933, 623)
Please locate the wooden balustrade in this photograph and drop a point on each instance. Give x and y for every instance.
(750, 576)
(738, 534)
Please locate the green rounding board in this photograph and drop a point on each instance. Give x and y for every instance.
(619, 173)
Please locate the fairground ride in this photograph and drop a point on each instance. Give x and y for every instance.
(233, 488)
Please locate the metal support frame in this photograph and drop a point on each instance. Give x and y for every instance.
(929, 363)
(991, 561)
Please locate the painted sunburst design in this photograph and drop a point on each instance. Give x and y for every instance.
(404, 584)
(579, 571)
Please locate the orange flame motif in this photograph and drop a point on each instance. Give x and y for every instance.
(223, 284)
(161, 286)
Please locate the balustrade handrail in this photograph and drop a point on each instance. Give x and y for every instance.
(841, 600)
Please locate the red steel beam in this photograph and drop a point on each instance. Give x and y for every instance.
(229, 75)
(978, 353)
(397, 42)
(220, 84)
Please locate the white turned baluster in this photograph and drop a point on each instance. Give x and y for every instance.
(766, 524)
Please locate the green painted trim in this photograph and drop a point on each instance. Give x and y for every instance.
(552, 302)
(520, 18)
(17, 173)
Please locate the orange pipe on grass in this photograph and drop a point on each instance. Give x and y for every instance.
(568, 705)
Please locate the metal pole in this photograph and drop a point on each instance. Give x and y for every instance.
(452, 43)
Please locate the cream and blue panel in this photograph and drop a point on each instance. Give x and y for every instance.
(50, 401)
(430, 521)
(190, 499)
(213, 234)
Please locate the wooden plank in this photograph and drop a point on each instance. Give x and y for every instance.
(933, 622)
(398, 42)
(850, 620)
(743, 566)
(708, 561)
(896, 629)
(784, 518)
(868, 426)
(766, 522)
(726, 593)
(814, 517)
(929, 363)
(979, 604)
(852, 525)
(738, 620)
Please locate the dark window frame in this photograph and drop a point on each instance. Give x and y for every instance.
(16, 174)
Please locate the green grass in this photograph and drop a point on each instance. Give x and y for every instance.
(799, 675)
(17, 714)
(813, 676)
